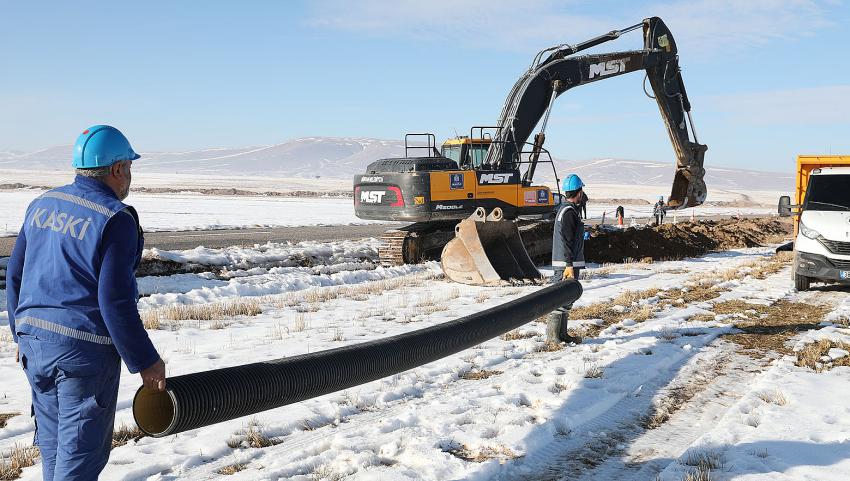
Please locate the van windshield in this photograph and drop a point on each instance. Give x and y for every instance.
(828, 192)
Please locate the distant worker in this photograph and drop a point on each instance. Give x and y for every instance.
(567, 253)
(659, 210)
(583, 204)
(71, 297)
(621, 215)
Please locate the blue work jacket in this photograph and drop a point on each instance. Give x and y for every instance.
(57, 287)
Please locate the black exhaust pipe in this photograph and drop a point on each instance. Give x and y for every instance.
(196, 400)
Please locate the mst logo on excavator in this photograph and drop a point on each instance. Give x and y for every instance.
(372, 196)
(496, 178)
(602, 69)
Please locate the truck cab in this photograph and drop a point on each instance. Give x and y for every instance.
(822, 221)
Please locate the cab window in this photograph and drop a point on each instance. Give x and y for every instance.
(452, 152)
(478, 152)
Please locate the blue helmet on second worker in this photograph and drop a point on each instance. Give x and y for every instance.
(101, 146)
(571, 183)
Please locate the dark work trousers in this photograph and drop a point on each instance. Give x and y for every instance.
(74, 392)
(556, 328)
(659, 218)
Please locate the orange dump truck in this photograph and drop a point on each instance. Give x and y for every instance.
(821, 219)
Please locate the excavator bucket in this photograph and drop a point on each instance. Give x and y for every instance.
(487, 250)
(689, 182)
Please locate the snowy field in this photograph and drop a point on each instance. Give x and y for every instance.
(655, 391)
(187, 211)
(160, 212)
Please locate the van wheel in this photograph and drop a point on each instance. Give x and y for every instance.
(801, 283)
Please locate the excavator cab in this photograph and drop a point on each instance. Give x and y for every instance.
(469, 153)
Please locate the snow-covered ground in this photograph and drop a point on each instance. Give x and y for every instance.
(506, 409)
(187, 211)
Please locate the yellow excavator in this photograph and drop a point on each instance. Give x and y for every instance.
(474, 202)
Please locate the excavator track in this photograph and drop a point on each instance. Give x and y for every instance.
(415, 243)
(391, 252)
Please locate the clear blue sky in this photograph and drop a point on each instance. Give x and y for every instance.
(767, 79)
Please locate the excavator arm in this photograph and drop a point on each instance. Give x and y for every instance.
(556, 70)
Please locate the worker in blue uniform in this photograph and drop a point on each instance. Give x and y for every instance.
(71, 297)
(567, 252)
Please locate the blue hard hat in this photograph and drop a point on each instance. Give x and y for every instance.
(101, 146)
(571, 183)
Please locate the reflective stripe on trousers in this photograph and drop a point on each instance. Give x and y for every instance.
(63, 330)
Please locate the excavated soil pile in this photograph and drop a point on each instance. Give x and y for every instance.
(685, 239)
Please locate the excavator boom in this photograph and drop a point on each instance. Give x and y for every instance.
(532, 96)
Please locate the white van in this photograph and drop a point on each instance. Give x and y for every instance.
(822, 244)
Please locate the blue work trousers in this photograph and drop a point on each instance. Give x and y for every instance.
(74, 392)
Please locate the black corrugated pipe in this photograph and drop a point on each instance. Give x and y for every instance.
(196, 400)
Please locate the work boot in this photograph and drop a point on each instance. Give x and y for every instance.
(556, 328)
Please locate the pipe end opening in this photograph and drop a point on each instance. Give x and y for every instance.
(154, 411)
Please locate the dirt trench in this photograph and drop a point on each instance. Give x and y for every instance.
(685, 239)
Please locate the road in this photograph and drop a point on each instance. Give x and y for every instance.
(180, 240)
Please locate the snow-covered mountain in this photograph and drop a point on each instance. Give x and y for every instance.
(642, 172)
(342, 157)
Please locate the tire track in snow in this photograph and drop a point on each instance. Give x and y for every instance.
(614, 446)
(650, 451)
(591, 443)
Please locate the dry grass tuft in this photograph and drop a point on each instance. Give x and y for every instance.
(772, 265)
(125, 434)
(313, 424)
(549, 346)
(664, 409)
(627, 298)
(701, 318)
(631, 308)
(641, 313)
(252, 437)
(483, 453)
(773, 396)
(703, 462)
(482, 296)
(560, 386)
(433, 308)
(478, 374)
(812, 355)
(214, 311)
(593, 371)
(300, 323)
(694, 294)
(597, 310)
(768, 328)
(698, 474)
(13, 462)
(232, 469)
(5, 417)
(516, 334)
(325, 473)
